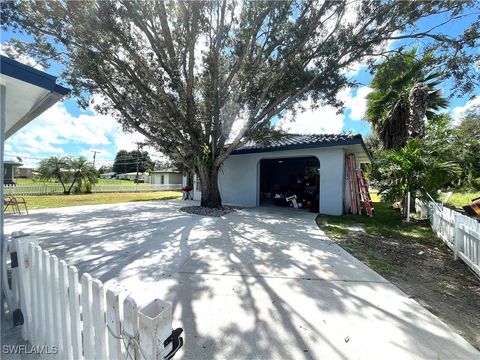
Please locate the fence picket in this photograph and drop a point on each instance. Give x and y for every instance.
(100, 328)
(66, 349)
(34, 301)
(76, 324)
(74, 316)
(41, 335)
(87, 317)
(50, 189)
(47, 296)
(113, 323)
(55, 295)
(24, 286)
(461, 233)
(130, 327)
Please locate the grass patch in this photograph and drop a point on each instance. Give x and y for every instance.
(386, 223)
(57, 201)
(461, 199)
(415, 260)
(100, 182)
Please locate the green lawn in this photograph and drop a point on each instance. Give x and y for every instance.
(56, 201)
(461, 198)
(414, 259)
(100, 181)
(385, 222)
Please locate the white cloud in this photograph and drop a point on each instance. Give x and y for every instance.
(313, 121)
(8, 50)
(326, 119)
(56, 132)
(458, 111)
(357, 104)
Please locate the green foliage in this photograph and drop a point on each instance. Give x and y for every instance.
(126, 161)
(55, 168)
(416, 168)
(184, 73)
(466, 148)
(73, 174)
(389, 105)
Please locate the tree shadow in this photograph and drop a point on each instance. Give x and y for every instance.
(256, 283)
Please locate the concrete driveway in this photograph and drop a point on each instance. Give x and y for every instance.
(259, 283)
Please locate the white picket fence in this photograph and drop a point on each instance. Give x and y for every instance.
(81, 318)
(461, 233)
(50, 189)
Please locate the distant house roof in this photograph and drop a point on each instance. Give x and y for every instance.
(299, 141)
(168, 170)
(12, 163)
(132, 173)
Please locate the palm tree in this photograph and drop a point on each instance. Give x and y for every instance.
(83, 173)
(68, 171)
(55, 168)
(403, 95)
(416, 168)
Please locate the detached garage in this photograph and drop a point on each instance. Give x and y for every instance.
(311, 167)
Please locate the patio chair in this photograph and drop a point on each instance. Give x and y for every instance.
(14, 203)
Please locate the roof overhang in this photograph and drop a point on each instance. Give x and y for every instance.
(29, 92)
(353, 145)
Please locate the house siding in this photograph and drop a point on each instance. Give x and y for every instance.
(239, 178)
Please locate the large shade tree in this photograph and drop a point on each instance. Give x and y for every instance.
(201, 78)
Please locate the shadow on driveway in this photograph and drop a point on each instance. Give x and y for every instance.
(255, 284)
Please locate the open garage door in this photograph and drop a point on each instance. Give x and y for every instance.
(282, 178)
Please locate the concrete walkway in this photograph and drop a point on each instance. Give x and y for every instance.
(256, 284)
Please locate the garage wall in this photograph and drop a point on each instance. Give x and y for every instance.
(240, 174)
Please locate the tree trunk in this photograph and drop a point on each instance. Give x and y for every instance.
(209, 186)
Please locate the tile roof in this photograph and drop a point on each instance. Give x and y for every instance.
(299, 141)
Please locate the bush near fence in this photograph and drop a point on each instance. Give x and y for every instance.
(459, 232)
(53, 189)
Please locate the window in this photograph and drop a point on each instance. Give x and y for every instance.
(162, 179)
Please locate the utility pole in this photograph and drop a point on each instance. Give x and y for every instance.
(139, 144)
(95, 152)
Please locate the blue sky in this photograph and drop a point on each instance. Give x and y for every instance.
(65, 129)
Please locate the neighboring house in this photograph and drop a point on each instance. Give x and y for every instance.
(312, 167)
(133, 175)
(109, 175)
(25, 173)
(9, 172)
(166, 177)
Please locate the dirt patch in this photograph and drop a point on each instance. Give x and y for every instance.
(426, 271)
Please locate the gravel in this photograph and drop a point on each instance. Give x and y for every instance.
(204, 211)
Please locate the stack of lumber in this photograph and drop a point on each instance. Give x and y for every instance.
(360, 200)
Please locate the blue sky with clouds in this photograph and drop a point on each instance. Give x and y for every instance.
(66, 129)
